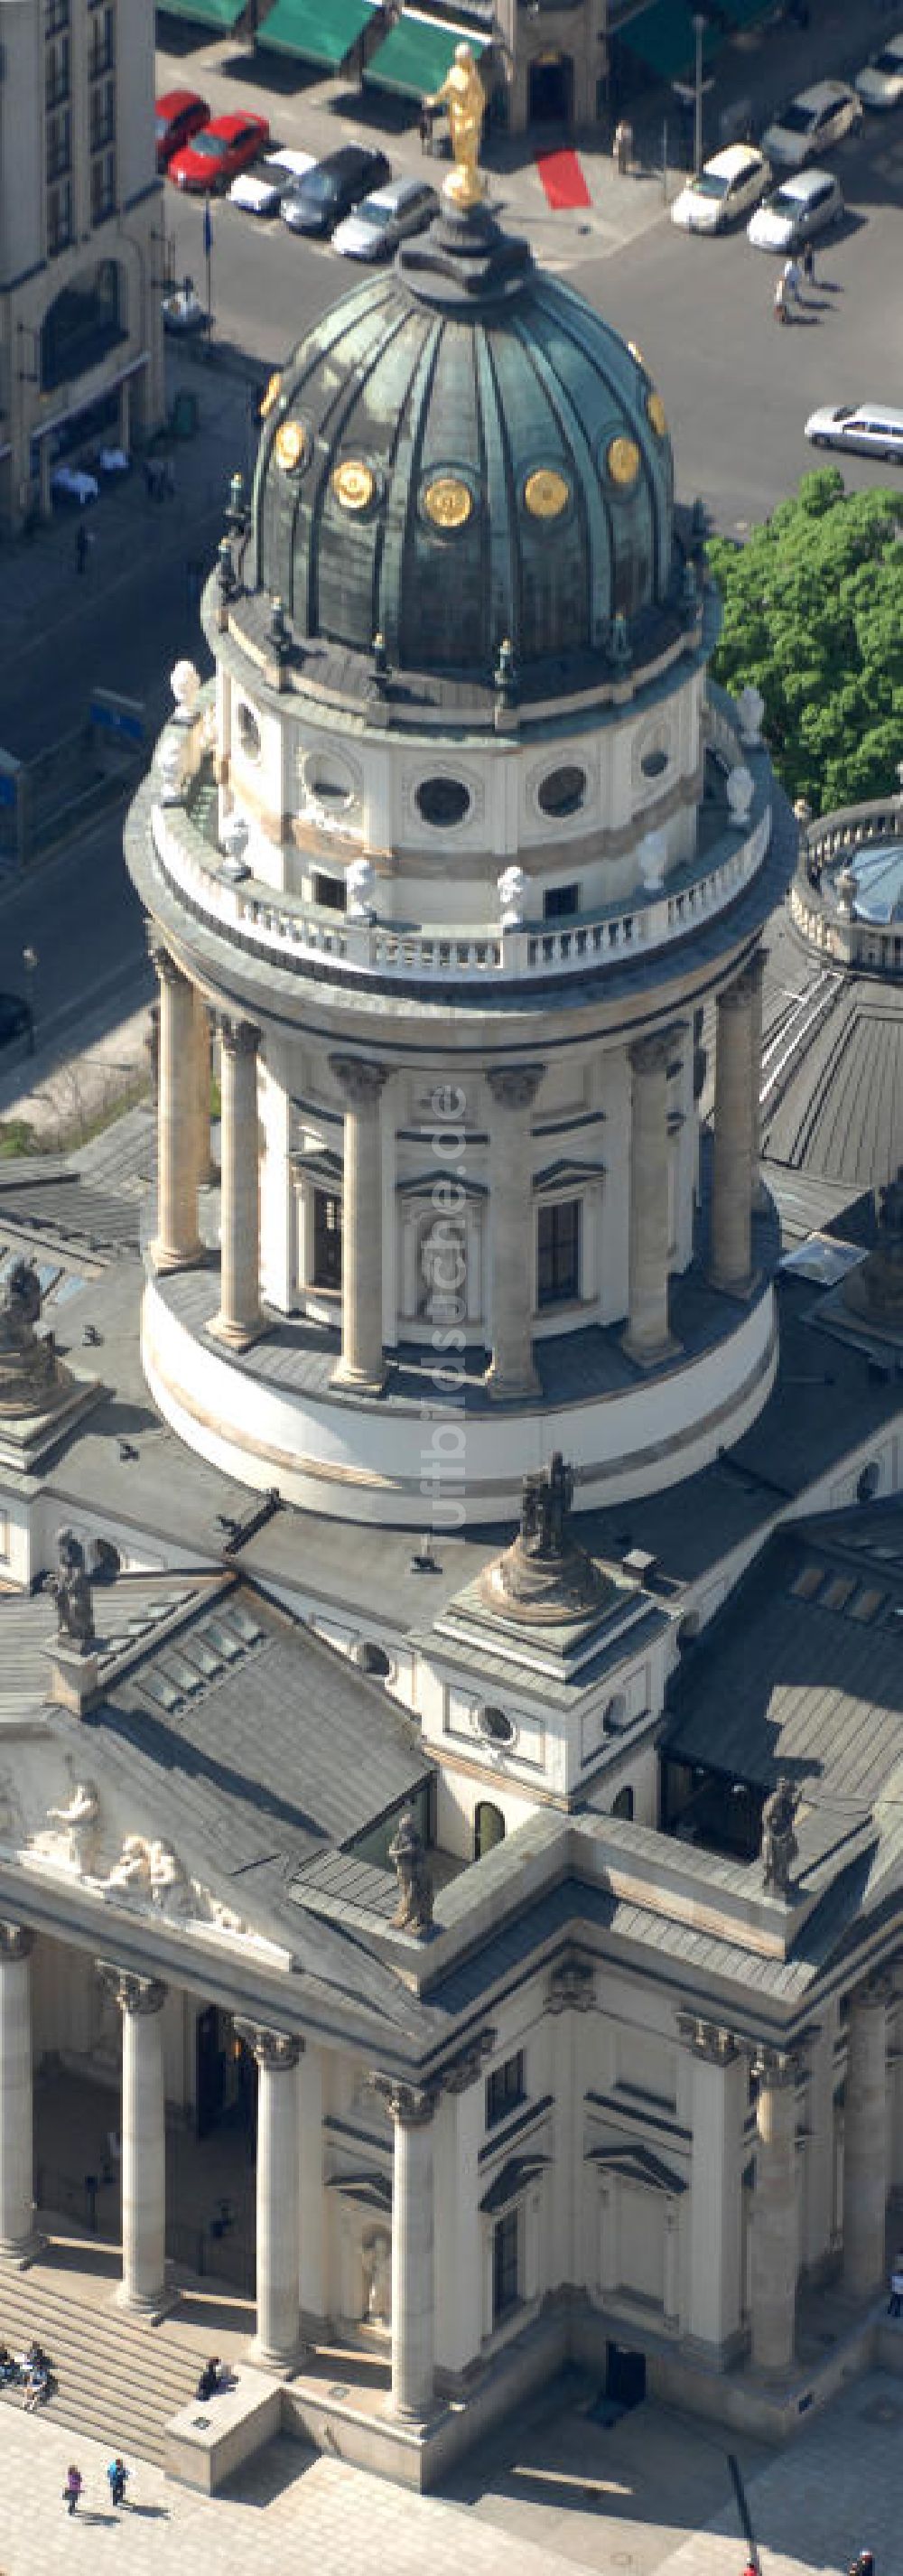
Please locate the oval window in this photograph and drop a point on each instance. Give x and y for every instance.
(248, 731)
(654, 764)
(496, 1725)
(328, 787)
(563, 791)
(443, 802)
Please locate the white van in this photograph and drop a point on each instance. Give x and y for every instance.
(870, 429)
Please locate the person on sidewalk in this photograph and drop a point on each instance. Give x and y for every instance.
(73, 2487)
(808, 263)
(792, 281)
(895, 2302)
(117, 2475)
(781, 307)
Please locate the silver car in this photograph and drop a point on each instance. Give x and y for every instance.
(869, 428)
(377, 226)
(806, 202)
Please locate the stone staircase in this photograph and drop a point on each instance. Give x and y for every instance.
(118, 2378)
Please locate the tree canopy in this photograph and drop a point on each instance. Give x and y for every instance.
(813, 617)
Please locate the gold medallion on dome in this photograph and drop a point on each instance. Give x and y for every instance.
(546, 493)
(447, 502)
(271, 396)
(656, 411)
(622, 457)
(354, 484)
(291, 445)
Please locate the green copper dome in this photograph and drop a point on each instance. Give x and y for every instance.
(460, 453)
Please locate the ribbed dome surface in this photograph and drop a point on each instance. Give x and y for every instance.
(463, 452)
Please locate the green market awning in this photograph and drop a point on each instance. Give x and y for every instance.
(417, 53)
(321, 31)
(212, 13)
(663, 39)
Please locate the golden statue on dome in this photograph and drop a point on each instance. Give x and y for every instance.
(464, 98)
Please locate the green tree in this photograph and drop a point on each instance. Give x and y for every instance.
(813, 617)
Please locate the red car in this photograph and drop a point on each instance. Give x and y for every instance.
(177, 116)
(219, 152)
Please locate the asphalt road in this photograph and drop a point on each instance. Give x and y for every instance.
(736, 387)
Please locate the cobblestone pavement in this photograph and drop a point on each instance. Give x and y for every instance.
(839, 2488)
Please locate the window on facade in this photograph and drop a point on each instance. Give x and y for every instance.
(563, 791)
(103, 186)
(103, 114)
(56, 72)
(558, 1246)
(330, 891)
(56, 17)
(505, 2087)
(100, 49)
(443, 802)
(488, 1829)
(59, 233)
(59, 144)
(622, 1805)
(559, 901)
(84, 321)
(505, 2265)
(327, 1271)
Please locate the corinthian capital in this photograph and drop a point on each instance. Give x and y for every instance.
(359, 1081)
(133, 1994)
(707, 2039)
(654, 1053)
(16, 1941)
(410, 2106)
(238, 1037)
(278, 2049)
(515, 1086)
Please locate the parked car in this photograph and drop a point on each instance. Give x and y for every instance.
(803, 205)
(880, 83)
(869, 429)
(332, 187)
(218, 153)
(386, 218)
(728, 186)
(16, 1020)
(178, 115)
(260, 191)
(71, 483)
(819, 117)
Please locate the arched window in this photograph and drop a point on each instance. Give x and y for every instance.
(374, 1659)
(622, 1805)
(488, 1829)
(106, 1562)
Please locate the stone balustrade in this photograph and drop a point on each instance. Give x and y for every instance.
(291, 933)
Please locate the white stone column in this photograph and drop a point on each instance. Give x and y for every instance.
(362, 1364)
(18, 2237)
(202, 1077)
(732, 1151)
(413, 2288)
(774, 2248)
(239, 1320)
(819, 2196)
(718, 2092)
(511, 1374)
(648, 1338)
(176, 1243)
(143, 2134)
(865, 2141)
(277, 2343)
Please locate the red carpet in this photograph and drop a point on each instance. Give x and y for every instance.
(562, 179)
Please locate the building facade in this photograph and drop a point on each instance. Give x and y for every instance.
(81, 247)
(507, 1836)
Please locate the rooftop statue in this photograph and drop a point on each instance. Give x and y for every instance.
(414, 1911)
(30, 1374)
(71, 1591)
(464, 97)
(779, 1844)
(545, 1574)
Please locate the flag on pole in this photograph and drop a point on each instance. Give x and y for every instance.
(208, 228)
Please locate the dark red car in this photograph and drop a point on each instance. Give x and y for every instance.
(219, 152)
(178, 115)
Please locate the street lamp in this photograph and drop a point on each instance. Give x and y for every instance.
(30, 964)
(699, 23)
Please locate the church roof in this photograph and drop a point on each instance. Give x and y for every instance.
(461, 454)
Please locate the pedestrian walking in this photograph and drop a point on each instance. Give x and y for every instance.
(426, 130)
(622, 147)
(73, 2487)
(792, 281)
(117, 2474)
(781, 313)
(808, 263)
(82, 544)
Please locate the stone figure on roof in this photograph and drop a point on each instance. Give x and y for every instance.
(779, 1844)
(546, 1509)
(81, 1822)
(29, 1369)
(464, 97)
(414, 1911)
(71, 1591)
